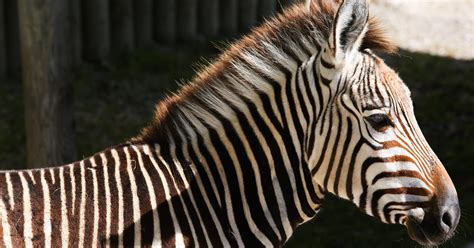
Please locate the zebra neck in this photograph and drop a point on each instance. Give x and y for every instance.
(247, 152)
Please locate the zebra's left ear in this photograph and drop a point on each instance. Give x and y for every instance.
(349, 27)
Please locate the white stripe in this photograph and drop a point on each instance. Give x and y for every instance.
(236, 101)
(202, 160)
(204, 191)
(187, 186)
(240, 180)
(214, 154)
(151, 191)
(179, 240)
(174, 177)
(53, 177)
(73, 187)
(228, 113)
(283, 212)
(10, 191)
(5, 225)
(107, 200)
(82, 206)
(131, 165)
(47, 211)
(95, 232)
(118, 181)
(27, 230)
(64, 219)
(32, 177)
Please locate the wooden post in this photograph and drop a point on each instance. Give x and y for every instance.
(229, 18)
(186, 19)
(121, 27)
(266, 9)
(247, 14)
(45, 54)
(95, 28)
(76, 32)
(3, 44)
(12, 38)
(143, 20)
(209, 17)
(165, 21)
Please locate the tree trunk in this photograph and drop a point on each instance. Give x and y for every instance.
(121, 16)
(13, 38)
(46, 48)
(229, 18)
(76, 32)
(165, 21)
(186, 19)
(209, 17)
(247, 14)
(3, 44)
(266, 9)
(143, 22)
(95, 29)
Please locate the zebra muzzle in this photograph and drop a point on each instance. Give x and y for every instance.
(439, 221)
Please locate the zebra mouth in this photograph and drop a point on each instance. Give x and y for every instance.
(416, 233)
(424, 233)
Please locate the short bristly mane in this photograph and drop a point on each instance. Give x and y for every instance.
(297, 29)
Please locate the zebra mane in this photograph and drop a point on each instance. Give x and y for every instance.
(296, 31)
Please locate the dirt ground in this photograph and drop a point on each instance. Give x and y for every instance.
(438, 27)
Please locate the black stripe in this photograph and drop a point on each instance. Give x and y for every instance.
(185, 195)
(326, 64)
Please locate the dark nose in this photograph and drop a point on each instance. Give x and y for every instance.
(439, 222)
(450, 218)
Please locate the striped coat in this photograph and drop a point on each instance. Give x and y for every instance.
(246, 152)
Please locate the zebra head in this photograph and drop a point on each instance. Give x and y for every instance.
(373, 152)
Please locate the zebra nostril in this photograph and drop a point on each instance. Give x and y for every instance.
(447, 219)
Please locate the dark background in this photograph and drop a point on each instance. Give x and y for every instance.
(115, 88)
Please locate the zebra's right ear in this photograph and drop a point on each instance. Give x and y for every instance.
(348, 30)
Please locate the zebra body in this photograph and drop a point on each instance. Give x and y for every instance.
(246, 153)
(137, 195)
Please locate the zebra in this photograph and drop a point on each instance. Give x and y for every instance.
(299, 108)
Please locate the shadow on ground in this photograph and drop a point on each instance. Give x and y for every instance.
(111, 104)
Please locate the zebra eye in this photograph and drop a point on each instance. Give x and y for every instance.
(379, 122)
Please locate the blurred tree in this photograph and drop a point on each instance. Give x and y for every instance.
(95, 30)
(143, 19)
(209, 17)
(247, 14)
(46, 46)
(13, 38)
(121, 27)
(76, 32)
(229, 24)
(165, 21)
(3, 44)
(282, 4)
(186, 19)
(266, 8)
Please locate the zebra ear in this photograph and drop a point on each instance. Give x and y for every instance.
(349, 27)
